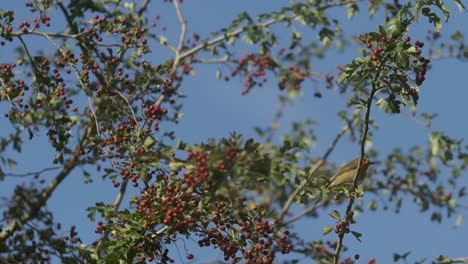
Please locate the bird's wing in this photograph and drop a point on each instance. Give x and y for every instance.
(349, 166)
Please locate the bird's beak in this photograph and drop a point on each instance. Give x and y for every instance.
(372, 162)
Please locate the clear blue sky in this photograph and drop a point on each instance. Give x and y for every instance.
(214, 108)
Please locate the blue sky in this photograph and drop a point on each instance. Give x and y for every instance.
(214, 108)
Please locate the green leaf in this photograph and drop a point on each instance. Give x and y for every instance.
(163, 40)
(149, 141)
(11, 164)
(397, 257)
(458, 221)
(327, 229)
(357, 235)
(326, 36)
(434, 139)
(335, 214)
(181, 145)
(437, 217)
(92, 213)
(460, 5)
(295, 39)
(353, 10)
(373, 205)
(389, 104)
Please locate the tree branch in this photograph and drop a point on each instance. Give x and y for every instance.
(26, 174)
(50, 34)
(453, 260)
(183, 31)
(17, 224)
(348, 215)
(240, 30)
(117, 202)
(310, 173)
(301, 214)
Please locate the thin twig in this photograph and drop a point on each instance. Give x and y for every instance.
(418, 121)
(310, 173)
(143, 7)
(50, 34)
(42, 199)
(35, 69)
(240, 30)
(163, 41)
(83, 85)
(131, 109)
(349, 216)
(94, 115)
(453, 260)
(7, 96)
(301, 214)
(183, 31)
(214, 60)
(160, 231)
(30, 173)
(116, 205)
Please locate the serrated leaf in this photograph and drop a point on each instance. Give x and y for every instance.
(412, 50)
(342, 77)
(434, 139)
(436, 217)
(92, 213)
(163, 40)
(335, 214)
(460, 5)
(357, 235)
(353, 10)
(149, 141)
(295, 39)
(327, 229)
(326, 35)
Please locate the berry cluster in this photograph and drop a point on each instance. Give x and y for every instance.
(6, 70)
(227, 160)
(255, 238)
(291, 78)
(45, 20)
(100, 228)
(24, 26)
(171, 205)
(342, 227)
(201, 173)
(254, 67)
(154, 112)
(418, 63)
(176, 207)
(194, 40)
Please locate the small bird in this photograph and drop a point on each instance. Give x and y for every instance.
(346, 173)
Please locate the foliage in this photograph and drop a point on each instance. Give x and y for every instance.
(106, 87)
